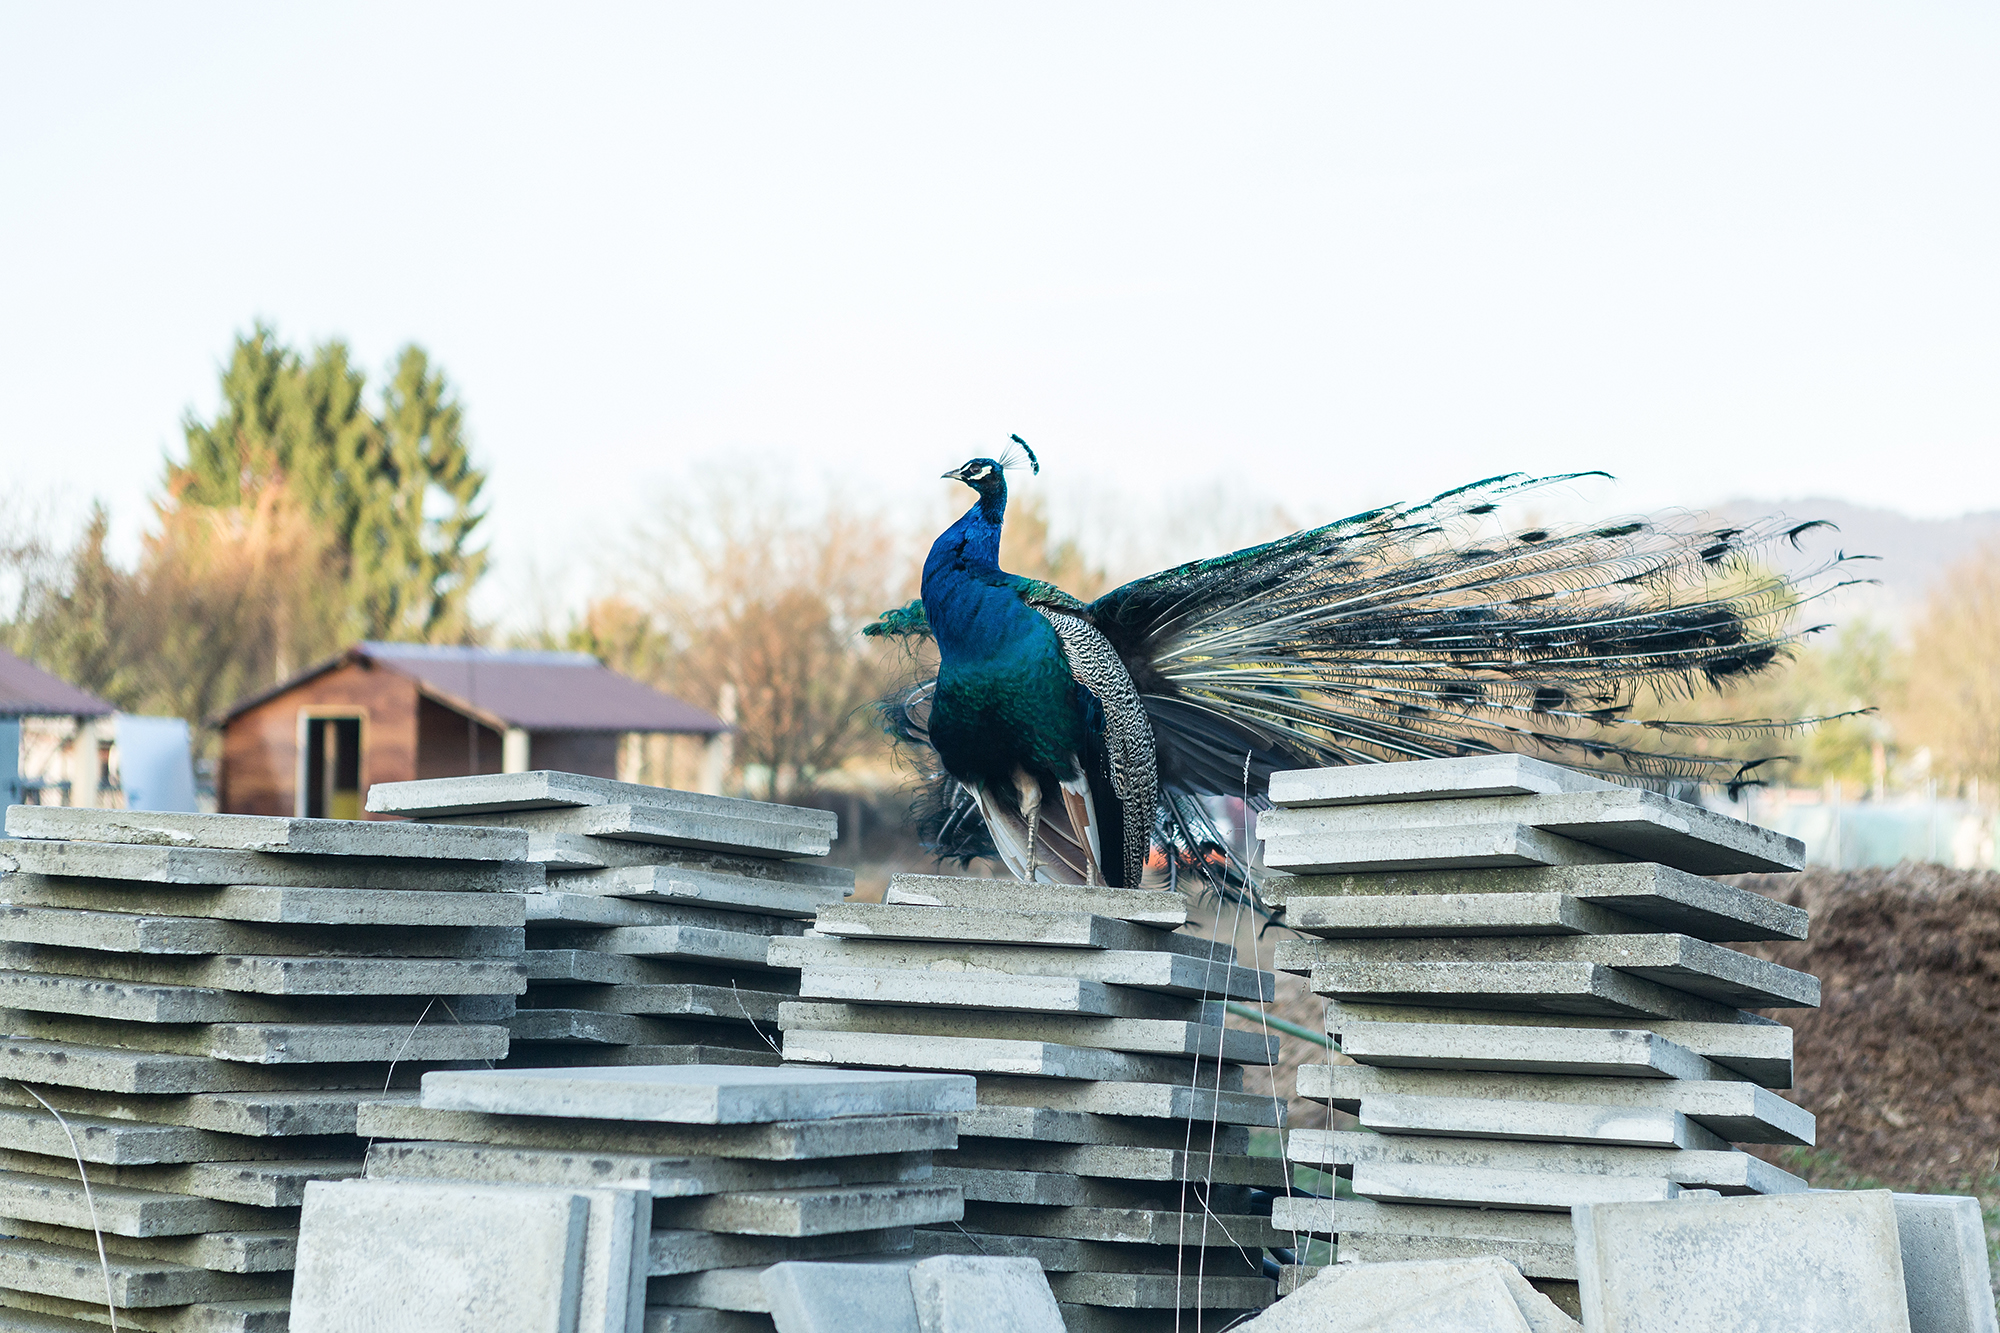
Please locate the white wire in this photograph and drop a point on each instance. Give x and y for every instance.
(104, 1263)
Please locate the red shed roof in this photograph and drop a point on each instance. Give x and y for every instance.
(28, 691)
(535, 691)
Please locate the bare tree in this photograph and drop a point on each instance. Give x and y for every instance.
(1952, 704)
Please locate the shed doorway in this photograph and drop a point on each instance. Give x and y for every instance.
(332, 786)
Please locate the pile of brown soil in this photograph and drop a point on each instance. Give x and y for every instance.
(1901, 1061)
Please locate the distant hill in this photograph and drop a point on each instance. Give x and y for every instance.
(1914, 552)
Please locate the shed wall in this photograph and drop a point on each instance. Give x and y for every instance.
(260, 746)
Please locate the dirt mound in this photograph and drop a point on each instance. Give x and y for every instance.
(1901, 1062)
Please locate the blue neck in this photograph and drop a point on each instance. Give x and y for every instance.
(973, 542)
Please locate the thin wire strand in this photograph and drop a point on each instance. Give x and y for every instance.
(389, 1077)
(753, 1022)
(103, 1262)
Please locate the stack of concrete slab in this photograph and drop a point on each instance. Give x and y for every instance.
(644, 1197)
(648, 944)
(195, 1005)
(1110, 1141)
(1527, 975)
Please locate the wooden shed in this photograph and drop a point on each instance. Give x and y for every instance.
(390, 712)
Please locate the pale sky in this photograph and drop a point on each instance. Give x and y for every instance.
(1334, 253)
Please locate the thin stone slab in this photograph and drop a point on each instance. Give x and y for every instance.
(556, 908)
(268, 905)
(450, 1258)
(1152, 1101)
(1499, 1187)
(983, 1295)
(838, 1298)
(993, 925)
(1160, 1291)
(660, 1177)
(212, 867)
(31, 1129)
(217, 1251)
(610, 969)
(666, 828)
(691, 943)
(281, 1116)
(1172, 973)
(673, 1253)
(972, 1055)
(1753, 1048)
(1827, 1261)
(1037, 1124)
(1729, 1172)
(1583, 989)
(1058, 1255)
(1545, 1261)
(259, 1184)
(1546, 1122)
(711, 888)
(1147, 907)
(986, 991)
(135, 1283)
(1666, 898)
(620, 1029)
(266, 975)
(143, 1002)
(688, 1319)
(1697, 967)
(1462, 778)
(126, 932)
(1426, 915)
(557, 1055)
(722, 1003)
(1138, 1036)
(265, 833)
(1608, 1052)
(1473, 1296)
(1043, 1188)
(270, 1044)
(1472, 847)
(1346, 1217)
(697, 1095)
(1740, 1112)
(1128, 1226)
(546, 789)
(115, 1070)
(1946, 1273)
(1121, 1162)
(813, 1212)
(1629, 822)
(123, 1210)
(779, 1141)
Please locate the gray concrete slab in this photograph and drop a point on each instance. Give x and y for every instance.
(687, 943)
(1752, 1047)
(1608, 1052)
(264, 833)
(1150, 907)
(697, 1096)
(1120, 1162)
(1830, 1262)
(1581, 988)
(1128, 1226)
(29, 1128)
(697, 830)
(974, 1055)
(142, 1002)
(986, 991)
(781, 1141)
(962, 1294)
(450, 1258)
(1730, 1172)
(688, 1319)
(1057, 1255)
(1641, 825)
(278, 1117)
(735, 1004)
(673, 1253)
(1462, 1299)
(271, 1044)
(547, 789)
(1137, 1036)
(108, 1069)
(813, 1212)
(673, 884)
(1502, 1187)
(217, 1251)
(1545, 1263)
(586, 1167)
(259, 1183)
(220, 868)
(1345, 1217)
(1946, 1275)
(1740, 1112)
(269, 905)
(555, 908)
(268, 975)
(1423, 915)
(1472, 847)
(619, 1029)
(127, 932)
(983, 925)
(1171, 973)
(1463, 778)
(1027, 1123)
(611, 969)
(79, 1275)
(1711, 971)
(1669, 899)
(1532, 1121)
(840, 1298)
(1142, 1100)
(1158, 1293)
(124, 1210)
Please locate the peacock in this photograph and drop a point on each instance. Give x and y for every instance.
(1088, 743)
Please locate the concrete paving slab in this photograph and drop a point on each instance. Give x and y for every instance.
(556, 908)
(218, 868)
(557, 1055)
(1580, 988)
(1751, 1047)
(1541, 1122)
(268, 905)
(1641, 825)
(1057, 1255)
(973, 1055)
(455, 1259)
(1046, 1188)
(126, 1211)
(1172, 973)
(79, 1275)
(673, 884)
(616, 1029)
(666, 828)
(1607, 1052)
(271, 1044)
(264, 833)
(1137, 1036)
(29, 1128)
(1424, 915)
(1829, 1261)
(1501, 1187)
(1669, 899)
(1128, 1226)
(1472, 847)
(1729, 1171)
(109, 1069)
(697, 1095)
(126, 932)
(610, 969)
(1421, 1297)
(217, 1251)
(674, 1253)
(937, 990)
(1463, 778)
(957, 1294)
(1159, 1292)
(262, 1184)
(546, 789)
(1545, 1263)
(1345, 1217)
(687, 1319)
(690, 943)
(1741, 1112)
(1711, 971)
(266, 975)
(1042, 1125)
(1143, 1100)
(1119, 1162)
(983, 925)
(280, 1117)
(1945, 1270)
(840, 1298)
(734, 1004)
(813, 1212)
(145, 1002)
(782, 1141)
(660, 1177)
(1149, 907)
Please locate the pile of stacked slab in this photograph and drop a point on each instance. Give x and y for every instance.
(1111, 1136)
(1523, 972)
(648, 944)
(609, 1200)
(195, 1007)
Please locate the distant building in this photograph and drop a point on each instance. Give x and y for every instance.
(390, 712)
(60, 745)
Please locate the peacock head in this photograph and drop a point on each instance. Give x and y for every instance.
(984, 475)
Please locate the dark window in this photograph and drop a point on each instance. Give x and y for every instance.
(333, 767)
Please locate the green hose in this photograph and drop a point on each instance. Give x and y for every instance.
(1290, 1029)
